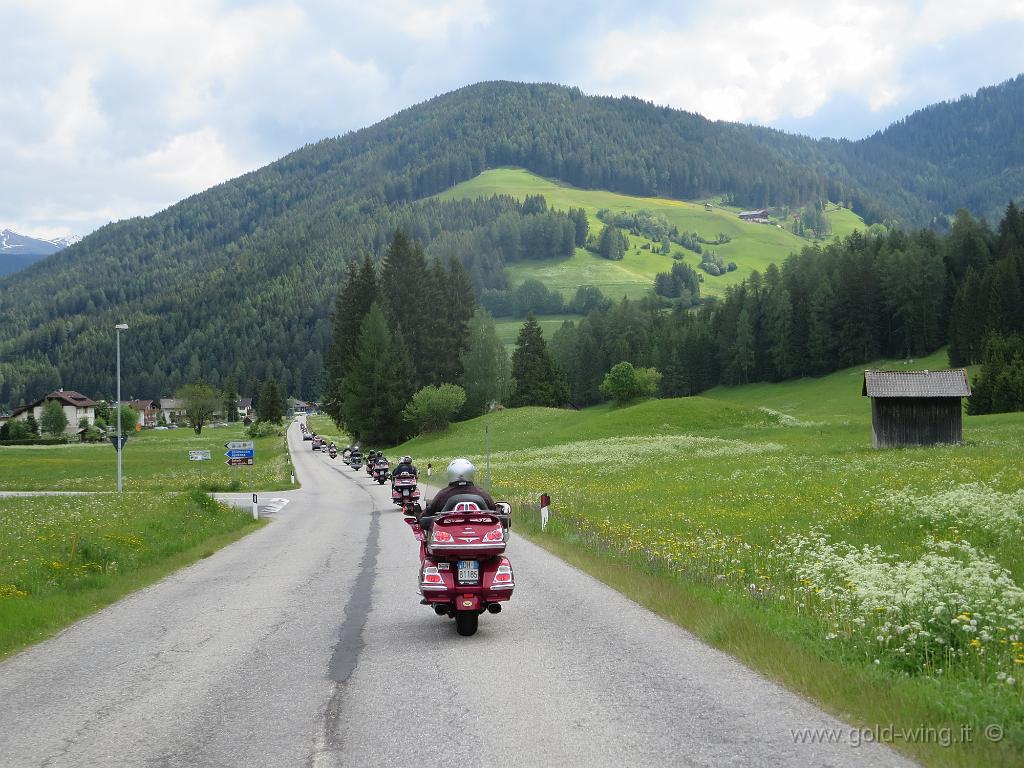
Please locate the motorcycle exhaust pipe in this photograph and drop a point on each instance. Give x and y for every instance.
(494, 608)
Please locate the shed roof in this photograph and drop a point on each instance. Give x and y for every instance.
(916, 384)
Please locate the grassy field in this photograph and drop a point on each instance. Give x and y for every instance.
(885, 585)
(152, 460)
(62, 558)
(508, 330)
(753, 246)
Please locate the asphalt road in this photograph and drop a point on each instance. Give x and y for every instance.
(304, 644)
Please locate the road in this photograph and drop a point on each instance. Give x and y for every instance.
(304, 644)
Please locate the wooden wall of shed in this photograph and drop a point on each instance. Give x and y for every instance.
(897, 421)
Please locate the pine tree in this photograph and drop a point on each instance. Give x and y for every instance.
(271, 404)
(539, 381)
(231, 400)
(743, 352)
(358, 292)
(378, 383)
(488, 374)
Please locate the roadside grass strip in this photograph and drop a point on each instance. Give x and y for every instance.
(64, 557)
(153, 460)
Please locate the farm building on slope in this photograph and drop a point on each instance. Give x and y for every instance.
(916, 407)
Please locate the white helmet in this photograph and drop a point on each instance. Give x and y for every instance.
(460, 470)
(406, 460)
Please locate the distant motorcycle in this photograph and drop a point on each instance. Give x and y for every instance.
(380, 470)
(406, 493)
(332, 452)
(356, 460)
(346, 455)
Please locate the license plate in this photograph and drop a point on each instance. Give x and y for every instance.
(469, 571)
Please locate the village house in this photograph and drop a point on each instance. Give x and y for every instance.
(76, 407)
(757, 217)
(171, 411)
(245, 409)
(148, 410)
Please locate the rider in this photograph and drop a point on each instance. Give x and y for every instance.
(405, 466)
(460, 480)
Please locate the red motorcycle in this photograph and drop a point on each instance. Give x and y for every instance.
(380, 471)
(463, 570)
(405, 493)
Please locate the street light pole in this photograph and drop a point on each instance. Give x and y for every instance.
(120, 442)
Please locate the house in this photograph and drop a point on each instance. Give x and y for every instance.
(148, 410)
(245, 409)
(172, 411)
(916, 407)
(76, 407)
(758, 217)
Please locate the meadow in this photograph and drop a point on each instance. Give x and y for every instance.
(753, 246)
(152, 460)
(64, 557)
(886, 585)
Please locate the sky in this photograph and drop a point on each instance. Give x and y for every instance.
(119, 108)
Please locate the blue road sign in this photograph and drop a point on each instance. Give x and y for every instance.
(236, 453)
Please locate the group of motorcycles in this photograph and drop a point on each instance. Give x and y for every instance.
(463, 570)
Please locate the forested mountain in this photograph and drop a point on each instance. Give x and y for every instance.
(239, 280)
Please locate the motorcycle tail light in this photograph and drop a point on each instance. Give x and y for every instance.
(503, 575)
(432, 576)
(496, 535)
(442, 536)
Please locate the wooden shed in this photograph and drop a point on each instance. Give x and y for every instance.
(916, 407)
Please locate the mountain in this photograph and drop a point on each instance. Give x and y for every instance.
(17, 251)
(239, 280)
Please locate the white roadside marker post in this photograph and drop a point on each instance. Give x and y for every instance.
(255, 508)
(545, 510)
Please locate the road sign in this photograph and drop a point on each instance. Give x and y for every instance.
(113, 440)
(240, 445)
(240, 462)
(236, 453)
(199, 456)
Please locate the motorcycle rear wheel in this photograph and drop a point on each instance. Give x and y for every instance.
(466, 622)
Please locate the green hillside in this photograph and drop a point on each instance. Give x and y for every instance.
(753, 246)
(223, 283)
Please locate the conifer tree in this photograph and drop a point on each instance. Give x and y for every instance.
(378, 382)
(539, 380)
(488, 374)
(358, 292)
(271, 404)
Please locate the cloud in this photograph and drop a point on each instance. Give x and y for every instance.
(116, 108)
(762, 62)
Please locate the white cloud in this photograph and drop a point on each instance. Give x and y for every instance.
(190, 162)
(760, 62)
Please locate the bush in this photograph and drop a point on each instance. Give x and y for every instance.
(433, 407)
(262, 429)
(624, 383)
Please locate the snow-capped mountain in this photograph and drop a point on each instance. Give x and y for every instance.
(17, 251)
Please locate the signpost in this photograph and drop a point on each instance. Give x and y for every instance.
(199, 456)
(243, 453)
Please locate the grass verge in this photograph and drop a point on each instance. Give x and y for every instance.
(63, 558)
(153, 460)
